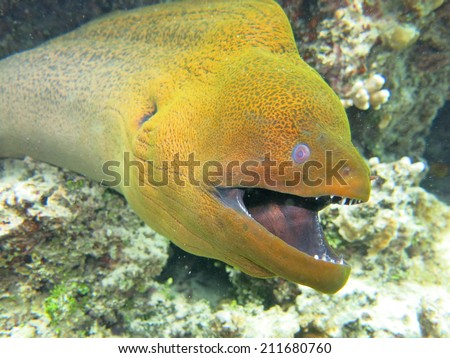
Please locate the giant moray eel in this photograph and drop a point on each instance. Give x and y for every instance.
(206, 82)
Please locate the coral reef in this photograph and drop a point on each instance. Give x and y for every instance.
(423, 7)
(341, 45)
(75, 261)
(368, 93)
(399, 36)
(407, 42)
(64, 241)
(397, 230)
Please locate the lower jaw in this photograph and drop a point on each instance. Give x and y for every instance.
(280, 259)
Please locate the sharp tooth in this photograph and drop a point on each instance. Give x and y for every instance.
(331, 197)
(341, 261)
(241, 204)
(317, 198)
(324, 257)
(316, 257)
(244, 209)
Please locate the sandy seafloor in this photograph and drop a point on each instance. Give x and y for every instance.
(75, 261)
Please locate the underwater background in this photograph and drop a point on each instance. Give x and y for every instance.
(75, 261)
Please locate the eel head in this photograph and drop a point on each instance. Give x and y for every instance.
(277, 140)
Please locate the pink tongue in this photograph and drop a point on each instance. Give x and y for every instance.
(293, 219)
(295, 225)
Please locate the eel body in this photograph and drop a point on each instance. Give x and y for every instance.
(162, 94)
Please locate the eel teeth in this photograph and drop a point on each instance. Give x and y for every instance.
(325, 258)
(343, 200)
(334, 199)
(241, 204)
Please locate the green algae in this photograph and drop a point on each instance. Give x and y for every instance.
(66, 302)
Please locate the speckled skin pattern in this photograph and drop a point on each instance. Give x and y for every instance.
(220, 79)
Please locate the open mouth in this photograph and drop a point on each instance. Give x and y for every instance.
(293, 219)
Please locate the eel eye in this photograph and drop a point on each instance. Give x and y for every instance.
(301, 153)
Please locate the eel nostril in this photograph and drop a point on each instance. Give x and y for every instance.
(346, 170)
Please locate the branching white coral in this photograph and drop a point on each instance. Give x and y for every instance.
(368, 93)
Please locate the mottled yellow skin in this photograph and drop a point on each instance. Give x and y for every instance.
(228, 84)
